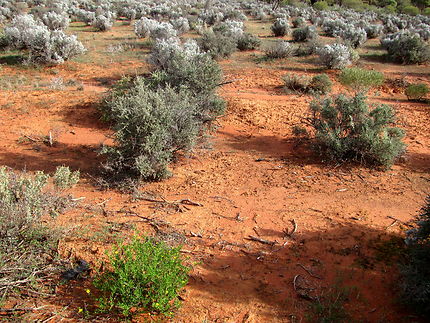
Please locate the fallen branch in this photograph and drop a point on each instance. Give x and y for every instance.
(270, 243)
(286, 231)
(404, 223)
(23, 309)
(294, 281)
(392, 224)
(310, 272)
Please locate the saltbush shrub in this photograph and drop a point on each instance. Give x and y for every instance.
(354, 36)
(280, 49)
(347, 128)
(248, 41)
(374, 31)
(55, 21)
(24, 199)
(280, 27)
(298, 22)
(417, 91)
(44, 46)
(415, 282)
(406, 48)
(103, 23)
(335, 56)
(145, 275)
(217, 45)
(304, 34)
(361, 79)
(150, 127)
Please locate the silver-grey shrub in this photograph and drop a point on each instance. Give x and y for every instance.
(354, 36)
(55, 21)
(280, 27)
(44, 46)
(181, 25)
(335, 56)
(103, 23)
(280, 49)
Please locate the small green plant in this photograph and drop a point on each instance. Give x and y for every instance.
(417, 91)
(330, 307)
(415, 283)
(64, 178)
(145, 275)
(360, 79)
(347, 128)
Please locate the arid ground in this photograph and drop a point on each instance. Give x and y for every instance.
(324, 230)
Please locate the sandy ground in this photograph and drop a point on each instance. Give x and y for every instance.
(325, 226)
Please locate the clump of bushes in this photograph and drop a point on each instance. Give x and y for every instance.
(280, 49)
(280, 27)
(360, 79)
(374, 31)
(319, 84)
(217, 44)
(417, 91)
(248, 41)
(55, 21)
(298, 22)
(157, 117)
(44, 46)
(305, 34)
(348, 129)
(354, 36)
(415, 283)
(336, 56)
(24, 199)
(406, 48)
(145, 275)
(103, 23)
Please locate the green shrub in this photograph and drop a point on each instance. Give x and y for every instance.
(346, 128)
(415, 283)
(417, 91)
(321, 5)
(411, 10)
(321, 84)
(64, 178)
(144, 274)
(353, 4)
(28, 248)
(217, 45)
(360, 79)
(248, 41)
(426, 11)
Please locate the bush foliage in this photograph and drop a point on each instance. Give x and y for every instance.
(144, 274)
(416, 272)
(24, 199)
(360, 79)
(347, 128)
(417, 91)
